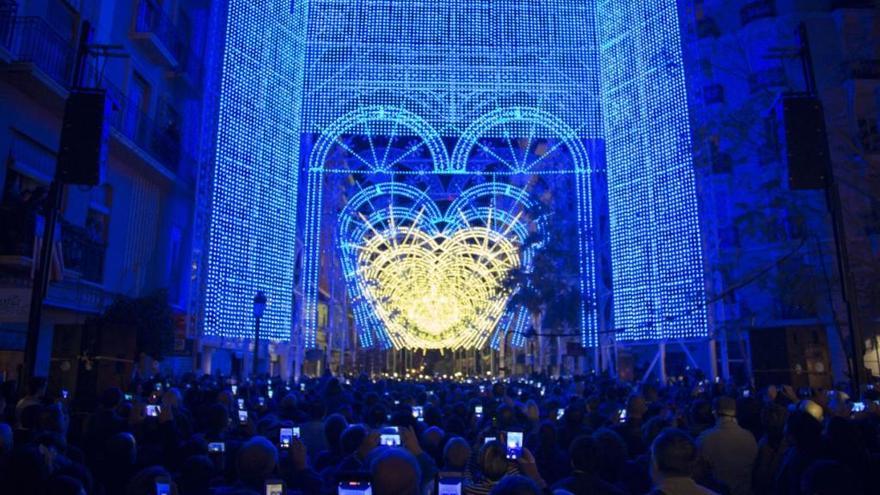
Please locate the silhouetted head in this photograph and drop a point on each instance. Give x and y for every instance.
(456, 454)
(674, 454)
(256, 460)
(395, 472)
(492, 460)
(515, 485)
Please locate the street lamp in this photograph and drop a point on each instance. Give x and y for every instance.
(259, 308)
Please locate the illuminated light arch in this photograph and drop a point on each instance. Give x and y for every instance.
(534, 123)
(512, 123)
(374, 122)
(384, 123)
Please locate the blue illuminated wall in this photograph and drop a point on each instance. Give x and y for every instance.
(254, 184)
(453, 75)
(658, 274)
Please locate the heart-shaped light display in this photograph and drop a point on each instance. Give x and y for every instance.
(432, 280)
(438, 291)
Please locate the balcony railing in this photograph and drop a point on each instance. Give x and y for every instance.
(33, 40)
(83, 252)
(161, 140)
(150, 18)
(17, 234)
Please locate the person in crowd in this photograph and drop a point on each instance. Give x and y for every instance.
(199, 435)
(803, 433)
(584, 479)
(456, 454)
(516, 485)
(674, 459)
(395, 472)
(492, 466)
(36, 389)
(729, 449)
(771, 448)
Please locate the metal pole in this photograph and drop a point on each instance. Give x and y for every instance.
(256, 346)
(40, 284)
(838, 228)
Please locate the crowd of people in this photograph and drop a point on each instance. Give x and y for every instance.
(200, 435)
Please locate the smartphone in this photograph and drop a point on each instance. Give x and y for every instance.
(858, 407)
(243, 417)
(488, 439)
(302, 387)
(274, 487)
(216, 448)
(153, 410)
(621, 413)
(234, 389)
(396, 402)
(285, 436)
(418, 412)
(482, 388)
(354, 488)
(389, 436)
(449, 486)
(560, 413)
(296, 432)
(747, 393)
(64, 394)
(128, 397)
(514, 444)
(270, 393)
(163, 486)
(478, 410)
(158, 387)
(261, 401)
(240, 403)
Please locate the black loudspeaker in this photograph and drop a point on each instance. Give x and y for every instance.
(796, 356)
(803, 141)
(84, 132)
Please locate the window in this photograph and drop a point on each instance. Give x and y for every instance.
(869, 137)
(137, 106)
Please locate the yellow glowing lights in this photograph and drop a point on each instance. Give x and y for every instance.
(438, 291)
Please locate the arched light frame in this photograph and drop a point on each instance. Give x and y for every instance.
(371, 329)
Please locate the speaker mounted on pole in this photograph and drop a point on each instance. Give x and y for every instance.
(803, 141)
(85, 128)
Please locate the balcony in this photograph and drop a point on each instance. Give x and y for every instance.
(41, 60)
(154, 32)
(17, 235)
(82, 251)
(158, 143)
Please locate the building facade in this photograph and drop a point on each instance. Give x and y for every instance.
(769, 246)
(129, 236)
